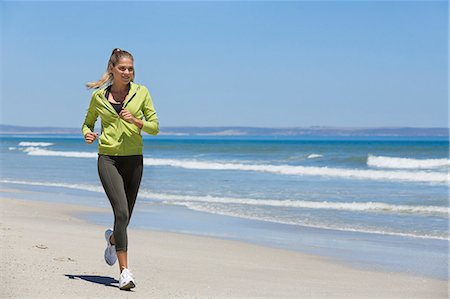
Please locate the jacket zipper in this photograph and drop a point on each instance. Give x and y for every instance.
(110, 106)
(128, 101)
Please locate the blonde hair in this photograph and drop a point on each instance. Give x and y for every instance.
(107, 77)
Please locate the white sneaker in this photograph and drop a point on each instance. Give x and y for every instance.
(110, 251)
(126, 280)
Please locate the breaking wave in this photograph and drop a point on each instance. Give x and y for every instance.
(369, 174)
(406, 163)
(365, 174)
(209, 204)
(289, 203)
(26, 143)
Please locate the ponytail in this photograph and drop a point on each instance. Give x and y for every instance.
(106, 78)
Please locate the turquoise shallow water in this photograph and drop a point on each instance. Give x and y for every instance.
(374, 203)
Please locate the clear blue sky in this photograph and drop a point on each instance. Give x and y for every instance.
(264, 64)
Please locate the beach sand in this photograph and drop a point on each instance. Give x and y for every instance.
(46, 252)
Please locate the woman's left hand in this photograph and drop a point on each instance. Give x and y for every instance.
(128, 117)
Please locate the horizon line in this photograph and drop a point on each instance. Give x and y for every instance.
(255, 127)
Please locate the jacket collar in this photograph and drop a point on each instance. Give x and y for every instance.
(133, 88)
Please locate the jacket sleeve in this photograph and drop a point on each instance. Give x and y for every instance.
(151, 124)
(91, 118)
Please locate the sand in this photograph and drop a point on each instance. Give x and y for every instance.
(46, 252)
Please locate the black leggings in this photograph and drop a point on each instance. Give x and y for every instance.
(121, 177)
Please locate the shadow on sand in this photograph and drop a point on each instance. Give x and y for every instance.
(104, 280)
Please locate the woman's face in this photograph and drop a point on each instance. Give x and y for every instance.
(123, 72)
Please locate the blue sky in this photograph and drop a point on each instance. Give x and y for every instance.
(262, 64)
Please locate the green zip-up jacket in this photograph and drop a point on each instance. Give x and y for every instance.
(119, 137)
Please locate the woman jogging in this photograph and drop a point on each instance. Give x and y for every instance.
(125, 108)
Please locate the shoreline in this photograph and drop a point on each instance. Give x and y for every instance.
(42, 256)
(379, 253)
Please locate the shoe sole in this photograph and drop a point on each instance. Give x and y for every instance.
(128, 286)
(107, 235)
(106, 260)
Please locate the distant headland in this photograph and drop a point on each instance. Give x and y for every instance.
(253, 131)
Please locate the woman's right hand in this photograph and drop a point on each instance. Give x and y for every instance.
(90, 137)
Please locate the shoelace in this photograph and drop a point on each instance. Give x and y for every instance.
(127, 273)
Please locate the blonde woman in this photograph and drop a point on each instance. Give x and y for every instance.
(125, 108)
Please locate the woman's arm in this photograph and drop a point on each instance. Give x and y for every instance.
(89, 122)
(150, 124)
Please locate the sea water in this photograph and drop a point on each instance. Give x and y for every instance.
(373, 202)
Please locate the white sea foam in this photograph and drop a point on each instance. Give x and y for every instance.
(26, 143)
(365, 174)
(85, 187)
(406, 163)
(314, 156)
(36, 151)
(344, 206)
(30, 149)
(289, 203)
(300, 222)
(416, 176)
(198, 203)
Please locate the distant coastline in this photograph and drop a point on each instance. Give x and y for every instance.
(253, 131)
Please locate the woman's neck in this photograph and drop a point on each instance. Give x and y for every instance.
(115, 87)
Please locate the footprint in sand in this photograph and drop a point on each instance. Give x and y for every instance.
(63, 259)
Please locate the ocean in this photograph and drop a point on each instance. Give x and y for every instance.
(375, 202)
